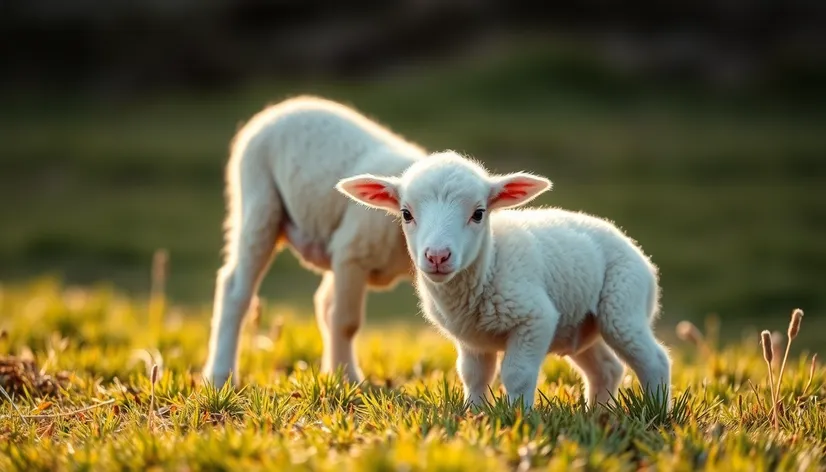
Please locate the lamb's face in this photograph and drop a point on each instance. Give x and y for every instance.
(444, 202)
(444, 211)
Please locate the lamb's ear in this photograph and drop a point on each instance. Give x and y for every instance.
(513, 190)
(373, 191)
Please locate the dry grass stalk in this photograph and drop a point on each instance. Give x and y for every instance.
(712, 330)
(740, 408)
(812, 368)
(794, 329)
(688, 332)
(757, 396)
(777, 346)
(67, 413)
(157, 297)
(8, 397)
(152, 380)
(768, 356)
(276, 328)
(794, 324)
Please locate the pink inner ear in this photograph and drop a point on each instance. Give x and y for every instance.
(513, 191)
(373, 192)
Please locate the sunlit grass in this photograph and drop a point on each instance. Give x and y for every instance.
(104, 411)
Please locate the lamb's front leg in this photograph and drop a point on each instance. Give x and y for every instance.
(476, 371)
(346, 317)
(525, 351)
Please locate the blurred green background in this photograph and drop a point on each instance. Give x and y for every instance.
(721, 184)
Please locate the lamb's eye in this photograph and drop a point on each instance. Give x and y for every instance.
(477, 215)
(407, 216)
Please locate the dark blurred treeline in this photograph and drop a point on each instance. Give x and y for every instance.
(128, 46)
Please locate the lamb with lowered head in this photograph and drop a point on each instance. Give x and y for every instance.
(280, 181)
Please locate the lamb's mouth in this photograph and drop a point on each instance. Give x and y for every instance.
(439, 275)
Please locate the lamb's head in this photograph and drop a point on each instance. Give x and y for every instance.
(444, 202)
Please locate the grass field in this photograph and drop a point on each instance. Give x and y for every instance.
(721, 188)
(77, 363)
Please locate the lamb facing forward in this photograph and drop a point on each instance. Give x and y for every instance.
(524, 281)
(280, 180)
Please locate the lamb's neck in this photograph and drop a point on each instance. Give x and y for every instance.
(464, 291)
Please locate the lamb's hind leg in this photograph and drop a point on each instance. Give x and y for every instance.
(626, 327)
(254, 227)
(601, 372)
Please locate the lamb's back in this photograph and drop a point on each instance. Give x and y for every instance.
(566, 253)
(310, 143)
